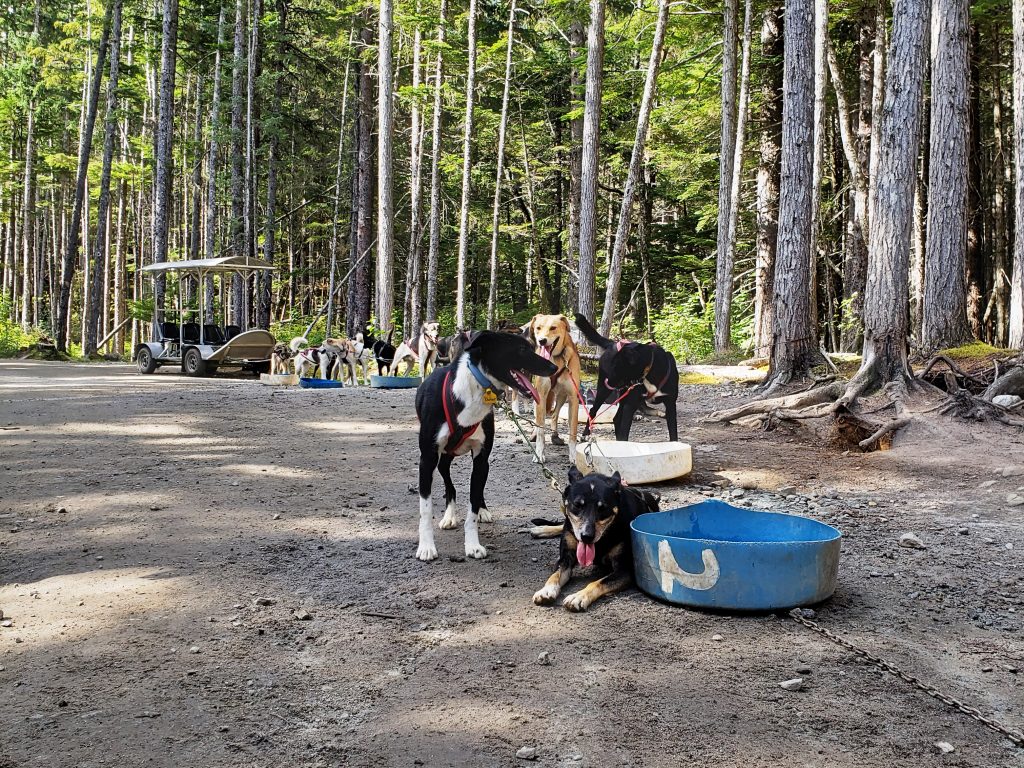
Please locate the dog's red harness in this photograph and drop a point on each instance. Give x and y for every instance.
(456, 432)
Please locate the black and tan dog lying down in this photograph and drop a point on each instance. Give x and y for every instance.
(598, 512)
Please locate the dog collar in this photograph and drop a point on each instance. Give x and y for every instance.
(490, 396)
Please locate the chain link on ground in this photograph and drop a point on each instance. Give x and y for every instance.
(1015, 736)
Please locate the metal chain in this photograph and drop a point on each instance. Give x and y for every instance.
(514, 417)
(1015, 736)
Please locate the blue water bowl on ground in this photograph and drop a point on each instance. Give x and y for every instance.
(309, 383)
(715, 555)
(394, 382)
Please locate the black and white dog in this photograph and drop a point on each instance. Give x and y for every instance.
(648, 371)
(455, 408)
(383, 350)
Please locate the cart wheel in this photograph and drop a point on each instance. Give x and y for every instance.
(193, 363)
(145, 360)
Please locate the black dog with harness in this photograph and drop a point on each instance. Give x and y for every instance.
(641, 372)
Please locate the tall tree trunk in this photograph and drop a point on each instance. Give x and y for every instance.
(261, 311)
(945, 289)
(411, 318)
(724, 261)
(467, 146)
(794, 347)
(385, 205)
(492, 293)
(877, 97)
(28, 215)
(359, 307)
(430, 308)
(196, 213)
(101, 244)
(886, 298)
(164, 151)
(211, 168)
(1016, 334)
(636, 161)
(1000, 180)
(274, 143)
(589, 163)
(856, 139)
(237, 237)
(820, 138)
(768, 171)
(333, 269)
(977, 263)
(71, 251)
(576, 40)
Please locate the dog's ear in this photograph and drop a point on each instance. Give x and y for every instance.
(479, 339)
(528, 330)
(575, 475)
(617, 479)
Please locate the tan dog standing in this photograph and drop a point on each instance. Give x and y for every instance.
(551, 335)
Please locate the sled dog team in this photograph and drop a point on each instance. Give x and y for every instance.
(464, 376)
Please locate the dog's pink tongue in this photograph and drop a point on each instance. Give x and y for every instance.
(585, 554)
(545, 352)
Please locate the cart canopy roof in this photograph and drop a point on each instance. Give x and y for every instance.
(222, 264)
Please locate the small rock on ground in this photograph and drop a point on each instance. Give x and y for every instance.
(527, 753)
(944, 747)
(911, 541)
(792, 685)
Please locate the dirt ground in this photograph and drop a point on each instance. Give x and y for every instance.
(217, 573)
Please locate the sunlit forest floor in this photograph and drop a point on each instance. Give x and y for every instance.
(215, 573)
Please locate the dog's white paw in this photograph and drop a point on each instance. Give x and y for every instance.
(485, 515)
(577, 601)
(476, 551)
(572, 453)
(546, 594)
(426, 553)
(450, 519)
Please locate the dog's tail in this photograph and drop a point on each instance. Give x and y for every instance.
(299, 342)
(590, 333)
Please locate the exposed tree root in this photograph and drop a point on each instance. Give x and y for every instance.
(886, 431)
(1009, 383)
(794, 402)
(952, 366)
(964, 405)
(869, 429)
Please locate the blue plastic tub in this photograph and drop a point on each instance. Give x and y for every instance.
(309, 383)
(394, 382)
(715, 555)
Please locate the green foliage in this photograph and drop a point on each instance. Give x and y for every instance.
(286, 330)
(143, 309)
(687, 330)
(12, 338)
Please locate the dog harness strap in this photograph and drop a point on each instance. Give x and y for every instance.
(664, 380)
(456, 432)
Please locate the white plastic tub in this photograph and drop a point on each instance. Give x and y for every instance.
(605, 413)
(279, 379)
(636, 462)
